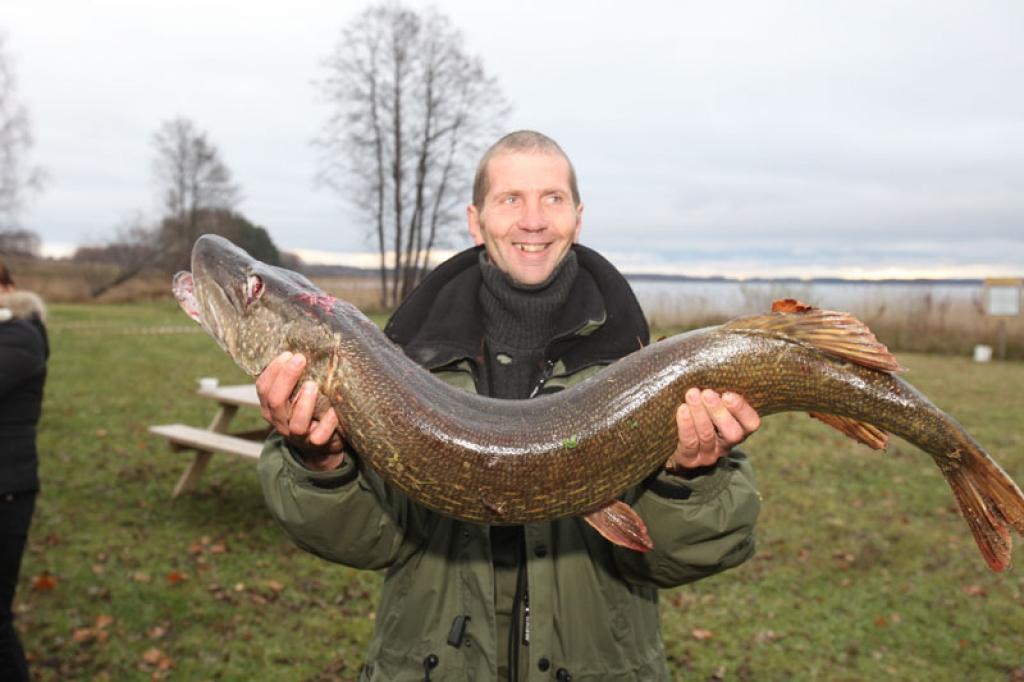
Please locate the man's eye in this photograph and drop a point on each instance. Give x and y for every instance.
(555, 198)
(510, 199)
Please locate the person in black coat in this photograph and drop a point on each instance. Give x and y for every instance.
(24, 349)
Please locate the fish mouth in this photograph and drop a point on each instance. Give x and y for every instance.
(184, 288)
(204, 297)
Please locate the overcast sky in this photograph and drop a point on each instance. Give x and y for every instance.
(738, 138)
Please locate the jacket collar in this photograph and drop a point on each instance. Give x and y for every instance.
(441, 321)
(21, 305)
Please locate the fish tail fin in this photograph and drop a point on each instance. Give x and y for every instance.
(989, 500)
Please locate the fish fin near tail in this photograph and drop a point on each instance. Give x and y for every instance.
(862, 432)
(989, 501)
(620, 525)
(991, 535)
(835, 333)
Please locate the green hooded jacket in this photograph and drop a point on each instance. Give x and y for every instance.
(593, 607)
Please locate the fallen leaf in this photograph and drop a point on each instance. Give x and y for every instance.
(975, 590)
(239, 587)
(274, 585)
(103, 620)
(218, 548)
(44, 582)
(152, 656)
(701, 634)
(174, 577)
(101, 433)
(139, 577)
(881, 622)
(82, 635)
(157, 632)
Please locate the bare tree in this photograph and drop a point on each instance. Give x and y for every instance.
(194, 181)
(411, 113)
(18, 180)
(19, 243)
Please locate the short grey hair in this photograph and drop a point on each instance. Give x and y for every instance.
(519, 141)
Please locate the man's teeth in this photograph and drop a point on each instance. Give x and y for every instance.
(532, 248)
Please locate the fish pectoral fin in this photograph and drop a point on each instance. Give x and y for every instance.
(838, 334)
(619, 524)
(862, 432)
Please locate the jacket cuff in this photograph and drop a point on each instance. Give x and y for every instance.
(700, 489)
(335, 478)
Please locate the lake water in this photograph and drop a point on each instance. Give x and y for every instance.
(687, 301)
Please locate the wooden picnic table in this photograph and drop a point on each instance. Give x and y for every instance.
(215, 437)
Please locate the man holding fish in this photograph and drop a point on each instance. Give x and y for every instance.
(528, 311)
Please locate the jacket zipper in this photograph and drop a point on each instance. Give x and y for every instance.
(549, 369)
(520, 611)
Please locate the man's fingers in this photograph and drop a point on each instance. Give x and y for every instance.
(324, 429)
(689, 444)
(730, 432)
(302, 409)
(703, 425)
(745, 414)
(265, 380)
(280, 392)
(270, 372)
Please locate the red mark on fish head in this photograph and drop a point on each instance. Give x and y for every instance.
(324, 302)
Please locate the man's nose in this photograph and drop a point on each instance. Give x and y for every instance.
(532, 217)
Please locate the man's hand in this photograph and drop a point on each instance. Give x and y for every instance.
(710, 425)
(316, 436)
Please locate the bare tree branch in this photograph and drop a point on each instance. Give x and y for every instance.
(194, 183)
(411, 111)
(18, 180)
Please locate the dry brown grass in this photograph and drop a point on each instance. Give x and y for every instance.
(918, 322)
(61, 281)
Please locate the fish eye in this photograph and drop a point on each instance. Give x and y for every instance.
(253, 289)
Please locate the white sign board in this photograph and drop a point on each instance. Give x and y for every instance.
(1002, 300)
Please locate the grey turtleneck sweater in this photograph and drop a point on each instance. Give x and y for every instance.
(519, 321)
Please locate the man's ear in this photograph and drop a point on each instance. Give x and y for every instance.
(473, 221)
(579, 223)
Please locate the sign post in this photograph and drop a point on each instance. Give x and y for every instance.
(1002, 299)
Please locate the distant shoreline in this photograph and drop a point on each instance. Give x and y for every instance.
(653, 277)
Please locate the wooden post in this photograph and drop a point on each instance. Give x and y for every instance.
(1002, 338)
(195, 470)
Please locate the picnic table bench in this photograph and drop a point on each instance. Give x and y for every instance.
(215, 437)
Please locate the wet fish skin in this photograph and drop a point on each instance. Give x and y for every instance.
(568, 454)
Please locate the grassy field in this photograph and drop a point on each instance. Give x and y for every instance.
(865, 570)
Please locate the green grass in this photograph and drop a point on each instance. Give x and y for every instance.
(865, 571)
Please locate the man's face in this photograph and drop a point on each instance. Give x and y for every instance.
(528, 221)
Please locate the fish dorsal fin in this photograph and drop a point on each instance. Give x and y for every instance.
(835, 333)
(862, 432)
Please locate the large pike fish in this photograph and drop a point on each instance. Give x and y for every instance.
(572, 453)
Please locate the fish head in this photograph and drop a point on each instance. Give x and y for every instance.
(249, 307)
